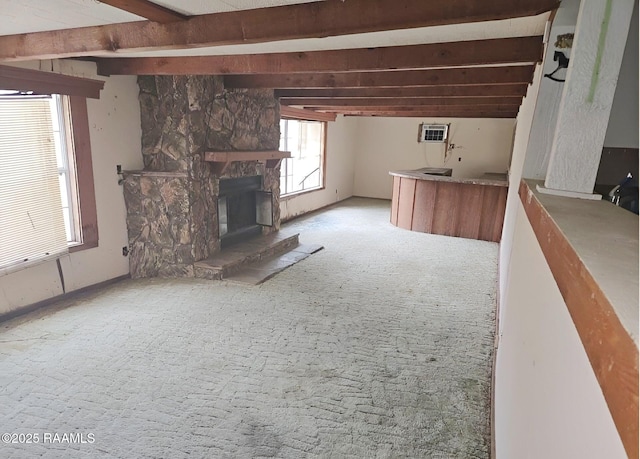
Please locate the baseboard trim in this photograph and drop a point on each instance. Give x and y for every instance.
(319, 209)
(41, 305)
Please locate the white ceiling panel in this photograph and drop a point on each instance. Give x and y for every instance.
(23, 16)
(193, 7)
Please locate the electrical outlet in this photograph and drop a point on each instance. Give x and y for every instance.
(125, 251)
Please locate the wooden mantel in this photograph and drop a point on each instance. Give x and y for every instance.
(222, 159)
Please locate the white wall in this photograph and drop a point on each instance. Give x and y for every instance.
(547, 400)
(622, 131)
(520, 143)
(548, 403)
(340, 163)
(385, 144)
(114, 123)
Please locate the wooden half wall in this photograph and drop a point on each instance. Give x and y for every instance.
(454, 209)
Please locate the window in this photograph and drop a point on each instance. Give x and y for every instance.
(31, 219)
(66, 174)
(305, 169)
(47, 199)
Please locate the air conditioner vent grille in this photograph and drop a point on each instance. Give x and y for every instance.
(435, 133)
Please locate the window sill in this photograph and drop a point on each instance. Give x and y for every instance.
(591, 248)
(286, 197)
(83, 246)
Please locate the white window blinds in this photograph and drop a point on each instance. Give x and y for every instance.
(31, 218)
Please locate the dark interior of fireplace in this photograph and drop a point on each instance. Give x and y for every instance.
(238, 208)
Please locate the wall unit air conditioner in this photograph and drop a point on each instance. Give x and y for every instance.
(433, 133)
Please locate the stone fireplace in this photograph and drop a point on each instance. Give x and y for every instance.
(181, 209)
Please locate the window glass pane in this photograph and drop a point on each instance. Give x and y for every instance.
(67, 224)
(54, 101)
(31, 215)
(303, 171)
(58, 145)
(64, 192)
(62, 158)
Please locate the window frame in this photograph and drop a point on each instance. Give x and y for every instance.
(80, 160)
(76, 118)
(66, 170)
(323, 158)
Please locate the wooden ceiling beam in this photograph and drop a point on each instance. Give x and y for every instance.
(147, 10)
(307, 20)
(506, 90)
(432, 108)
(406, 102)
(517, 50)
(435, 114)
(40, 82)
(407, 78)
(303, 114)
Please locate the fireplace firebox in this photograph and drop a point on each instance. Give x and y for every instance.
(243, 209)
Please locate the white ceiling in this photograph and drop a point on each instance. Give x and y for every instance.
(23, 16)
(193, 7)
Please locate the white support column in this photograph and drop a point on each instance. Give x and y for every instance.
(598, 46)
(545, 118)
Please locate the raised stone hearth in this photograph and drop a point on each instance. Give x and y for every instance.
(228, 262)
(172, 205)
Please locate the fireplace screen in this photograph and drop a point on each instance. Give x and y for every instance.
(264, 208)
(243, 208)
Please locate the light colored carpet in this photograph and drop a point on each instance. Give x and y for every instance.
(378, 346)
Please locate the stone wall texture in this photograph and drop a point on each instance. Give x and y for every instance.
(172, 221)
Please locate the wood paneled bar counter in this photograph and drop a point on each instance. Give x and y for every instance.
(440, 204)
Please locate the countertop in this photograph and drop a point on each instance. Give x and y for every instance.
(491, 179)
(605, 237)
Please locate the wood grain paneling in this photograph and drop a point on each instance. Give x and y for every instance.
(471, 211)
(611, 351)
(499, 219)
(445, 212)
(425, 201)
(394, 200)
(489, 213)
(405, 202)
(469, 203)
